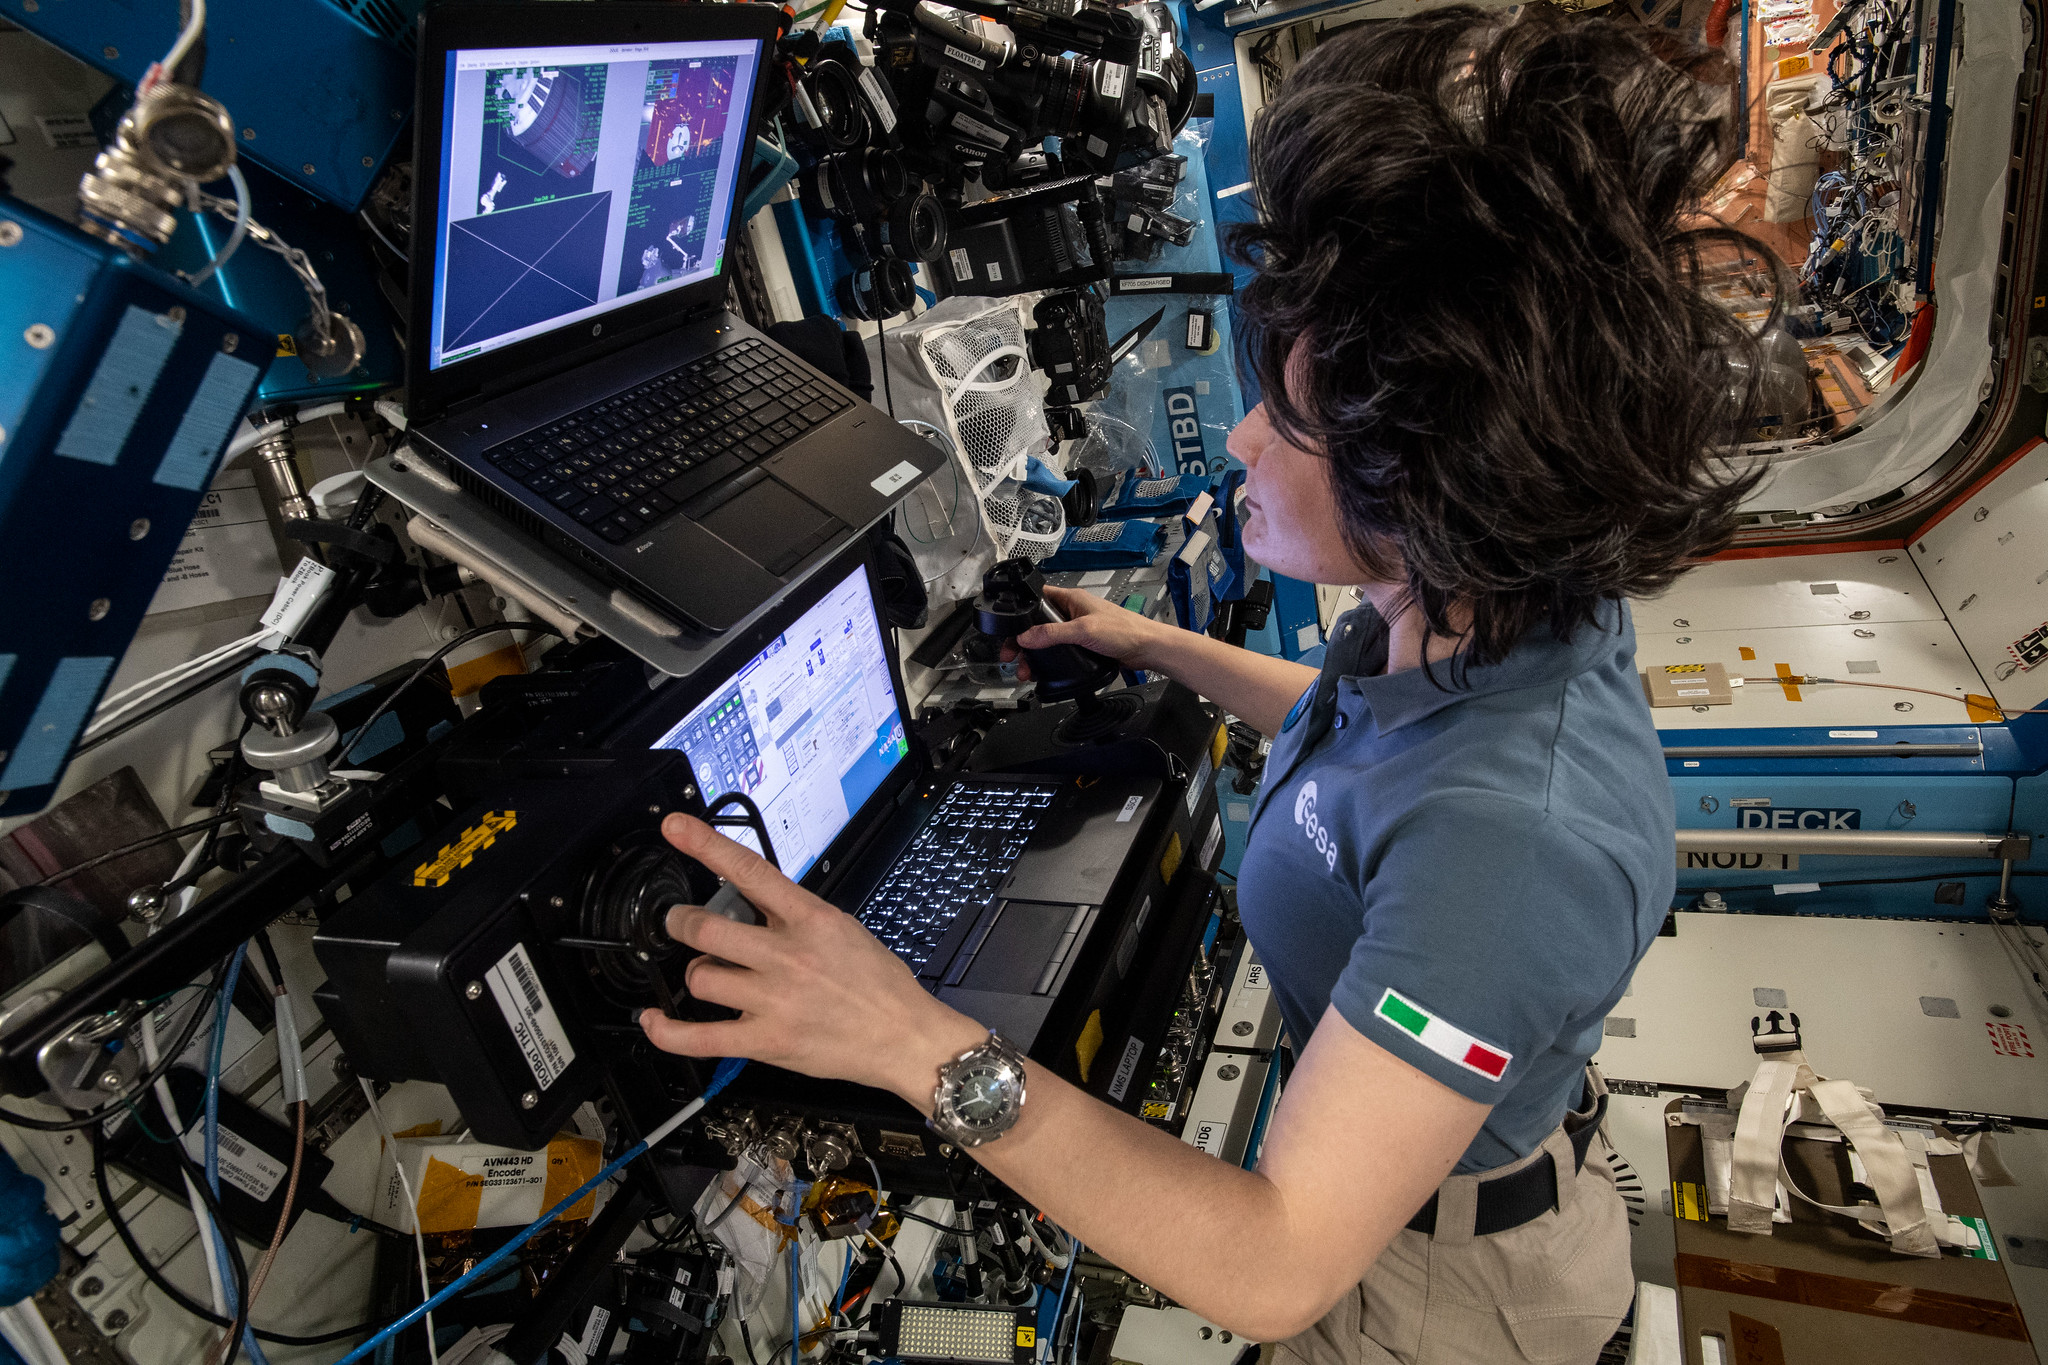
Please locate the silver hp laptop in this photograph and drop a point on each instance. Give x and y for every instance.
(578, 176)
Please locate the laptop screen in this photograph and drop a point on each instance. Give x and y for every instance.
(808, 728)
(577, 179)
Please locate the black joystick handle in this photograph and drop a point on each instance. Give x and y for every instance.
(1012, 601)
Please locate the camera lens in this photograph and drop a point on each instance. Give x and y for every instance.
(824, 191)
(837, 97)
(915, 229)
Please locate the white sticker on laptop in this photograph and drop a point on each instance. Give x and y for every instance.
(1209, 844)
(531, 1017)
(1130, 809)
(901, 477)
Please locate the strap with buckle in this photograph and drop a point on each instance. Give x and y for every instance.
(1527, 1194)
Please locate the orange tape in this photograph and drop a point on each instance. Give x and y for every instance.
(1785, 680)
(465, 678)
(1748, 654)
(1898, 1302)
(1982, 708)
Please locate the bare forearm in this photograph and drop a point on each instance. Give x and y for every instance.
(1257, 687)
(1209, 1235)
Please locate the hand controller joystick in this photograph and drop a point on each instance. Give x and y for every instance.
(1012, 601)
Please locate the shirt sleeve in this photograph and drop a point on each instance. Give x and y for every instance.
(1487, 927)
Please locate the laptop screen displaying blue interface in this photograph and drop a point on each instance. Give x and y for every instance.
(808, 727)
(577, 179)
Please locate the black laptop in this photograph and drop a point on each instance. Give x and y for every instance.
(578, 176)
(994, 889)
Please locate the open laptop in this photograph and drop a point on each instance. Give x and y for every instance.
(578, 177)
(994, 889)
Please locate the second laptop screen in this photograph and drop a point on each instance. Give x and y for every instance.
(808, 727)
(575, 180)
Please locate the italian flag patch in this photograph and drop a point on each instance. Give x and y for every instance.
(1442, 1037)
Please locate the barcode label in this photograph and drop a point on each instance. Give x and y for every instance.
(244, 1165)
(535, 1026)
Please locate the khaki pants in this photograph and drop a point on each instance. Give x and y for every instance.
(1550, 1292)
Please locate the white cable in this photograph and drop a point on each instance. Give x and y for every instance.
(234, 241)
(110, 713)
(23, 1326)
(256, 436)
(183, 46)
(412, 1203)
(199, 1213)
(158, 682)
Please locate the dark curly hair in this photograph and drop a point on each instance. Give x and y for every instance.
(1473, 245)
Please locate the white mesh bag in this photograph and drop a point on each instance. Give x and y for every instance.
(971, 377)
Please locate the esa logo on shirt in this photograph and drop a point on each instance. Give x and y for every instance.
(1318, 833)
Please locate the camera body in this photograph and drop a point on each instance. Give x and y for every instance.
(510, 957)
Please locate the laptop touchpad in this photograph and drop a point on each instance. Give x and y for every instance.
(771, 526)
(1014, 955)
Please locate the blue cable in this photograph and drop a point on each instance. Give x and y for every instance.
(720, 1078)
(845, 1274)
(220, 1233)
(1060, 1306)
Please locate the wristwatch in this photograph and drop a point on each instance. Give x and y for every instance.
(980, 1093)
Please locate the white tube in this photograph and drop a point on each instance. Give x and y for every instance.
(23, 1326)
(234, 241)
(186, 39)
(412, 1206)
(199, 1214)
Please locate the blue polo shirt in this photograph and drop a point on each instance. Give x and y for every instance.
(1468, 872)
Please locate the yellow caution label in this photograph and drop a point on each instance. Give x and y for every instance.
(1155, 1111)
(1026, 1336)
(286, 344)
(1170, 864)
(1689, 1201)
(1088, 1044)
(478, 837)
(1219, 745)
(1685, 668)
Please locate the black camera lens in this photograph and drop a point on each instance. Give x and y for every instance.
(915, 229)
(823, 191)
(881, 291)
(835, 92)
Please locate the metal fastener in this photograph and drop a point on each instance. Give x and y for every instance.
(110, 1080)
(10, 232)
(229, 341)
(98, 608)
(307, 168)
(1859, 616)
(1902, 706)
(473, 991)
(175, 313)
(1227, 1072)
(40, 335)
(556, 902)
(63, 1170)
(654, 810)
(1681, 623)
(111, 53)
(115, 1320)
(248, 135)
(529, 1099)
(138, 528)
(1242, 1027)
(1206, 1333)
(89, 1286)
(1684, 639)
(1980, 514)
(1887, 559)
(1862, 634)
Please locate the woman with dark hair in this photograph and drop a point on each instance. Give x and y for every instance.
(1495, 398)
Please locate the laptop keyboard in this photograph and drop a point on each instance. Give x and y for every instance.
(953, 867)
(684, 442)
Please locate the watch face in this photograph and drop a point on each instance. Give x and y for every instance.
(982, 1098)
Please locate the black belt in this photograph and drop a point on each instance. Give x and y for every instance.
(1524, 1196)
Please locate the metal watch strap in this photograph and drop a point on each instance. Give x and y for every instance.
(995, 1048)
